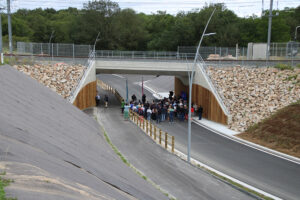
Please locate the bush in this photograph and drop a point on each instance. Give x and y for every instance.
(283, 67)
(298, 66)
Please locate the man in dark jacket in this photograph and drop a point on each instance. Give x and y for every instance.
(200, 111)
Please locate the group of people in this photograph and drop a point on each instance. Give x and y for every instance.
(161, 110)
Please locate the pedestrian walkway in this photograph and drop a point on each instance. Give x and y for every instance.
(215, 126)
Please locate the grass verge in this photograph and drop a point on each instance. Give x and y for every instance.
(3, 183)
(131, 166)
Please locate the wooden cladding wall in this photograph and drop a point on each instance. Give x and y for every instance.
(86, 96)
(179, 87)
(211, 108)
(202, 96)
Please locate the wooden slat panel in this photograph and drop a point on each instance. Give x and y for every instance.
(86, 96)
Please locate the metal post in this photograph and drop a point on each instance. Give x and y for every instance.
(73, 52)
(126, 90)
(142, 86)
(191, 76)
(296, 32)
(269, 29)
(0, 32)
(150, 129)
(52, 51)
(9, 27)
(155, 133)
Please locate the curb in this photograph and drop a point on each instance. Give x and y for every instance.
(253, 145)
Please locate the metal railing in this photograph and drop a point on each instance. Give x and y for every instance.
(88, 66)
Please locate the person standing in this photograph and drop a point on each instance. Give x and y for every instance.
(144, 98)
(200, 111)
(106, 101)
(126, 111)
(122, 105)
(97, 99)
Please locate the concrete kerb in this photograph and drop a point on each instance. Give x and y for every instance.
(253, 145)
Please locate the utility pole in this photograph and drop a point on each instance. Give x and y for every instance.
(262, 8)
(1, 31)
(269, 29)
(9, 27)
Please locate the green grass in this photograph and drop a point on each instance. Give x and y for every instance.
(283, 67)
(3, 183)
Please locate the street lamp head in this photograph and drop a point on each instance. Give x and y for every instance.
(209, 34)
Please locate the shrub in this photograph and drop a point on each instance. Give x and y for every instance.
(283, 66)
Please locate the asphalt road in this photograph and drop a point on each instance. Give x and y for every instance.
(261, 170)
(177, 177)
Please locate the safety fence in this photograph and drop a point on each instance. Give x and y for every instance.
(159, 136)
(89, 64)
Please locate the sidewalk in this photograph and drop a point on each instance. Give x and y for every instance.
(215, 126)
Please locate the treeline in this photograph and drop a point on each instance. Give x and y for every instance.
(124, 29)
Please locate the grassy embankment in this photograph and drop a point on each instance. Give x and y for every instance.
(280, 132)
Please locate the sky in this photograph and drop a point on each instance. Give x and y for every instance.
(242, 8)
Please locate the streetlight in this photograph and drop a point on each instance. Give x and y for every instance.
(209, 34)
(97, 39)
(296, 32)
(49, 45)
(191, 77)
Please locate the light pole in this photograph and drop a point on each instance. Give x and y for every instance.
(269, 29)
(126, 90)
(97, 39)
(49, 44)
(191, 77)
(142, 86)
(296, 32)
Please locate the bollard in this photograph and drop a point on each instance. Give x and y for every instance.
(140, 121)
(147, 128)
(143, 124)
(159, 136)
(150, 129)
(173, 143)
(155, 133)
(166, 140)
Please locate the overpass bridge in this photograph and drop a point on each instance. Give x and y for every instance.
(204, 92)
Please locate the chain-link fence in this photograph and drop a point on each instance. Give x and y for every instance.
(54, 49)
(253, 55)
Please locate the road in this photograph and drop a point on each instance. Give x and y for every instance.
(177, 177)
(261, 170)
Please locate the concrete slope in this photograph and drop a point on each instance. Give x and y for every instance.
(52, 150)
(172, 174)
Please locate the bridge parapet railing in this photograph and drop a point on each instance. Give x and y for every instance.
(89, 64)
(159, 55)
